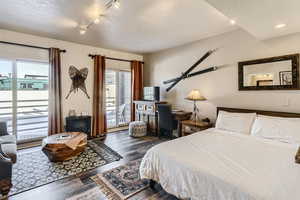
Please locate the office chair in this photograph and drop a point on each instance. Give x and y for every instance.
(167, 122)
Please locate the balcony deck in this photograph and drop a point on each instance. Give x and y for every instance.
(32, 118)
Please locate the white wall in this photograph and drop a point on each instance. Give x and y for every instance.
(221, 87)
(76, 55)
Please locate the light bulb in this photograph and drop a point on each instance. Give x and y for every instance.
(232, 22)
(97, 21)
(280, 26)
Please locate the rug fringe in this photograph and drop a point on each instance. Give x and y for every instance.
(108, 192)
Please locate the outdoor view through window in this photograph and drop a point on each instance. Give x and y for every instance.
(24, 98)
(118, 97)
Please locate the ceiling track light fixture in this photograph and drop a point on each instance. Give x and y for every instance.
(111, 4)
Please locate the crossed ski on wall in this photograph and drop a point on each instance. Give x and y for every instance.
(188, 74)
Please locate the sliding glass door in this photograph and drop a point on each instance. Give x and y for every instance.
(24, 98)
(118, 98)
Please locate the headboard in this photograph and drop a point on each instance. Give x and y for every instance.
(260, 112)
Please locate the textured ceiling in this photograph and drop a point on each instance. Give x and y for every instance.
(139, 26)
(259, 17)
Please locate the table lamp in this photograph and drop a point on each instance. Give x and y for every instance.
(195, 95)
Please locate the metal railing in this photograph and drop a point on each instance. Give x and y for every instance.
(34, 116)
(31, 119)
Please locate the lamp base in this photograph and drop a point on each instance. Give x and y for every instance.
(194, 115)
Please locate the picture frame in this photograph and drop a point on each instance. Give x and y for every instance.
(285, 78)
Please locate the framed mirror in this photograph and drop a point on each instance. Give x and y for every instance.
(275, 73)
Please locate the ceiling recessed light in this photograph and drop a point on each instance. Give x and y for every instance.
(280, 26)
(233, 22)
(97, 21)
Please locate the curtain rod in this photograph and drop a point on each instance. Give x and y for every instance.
(30, 46)
(117, 59)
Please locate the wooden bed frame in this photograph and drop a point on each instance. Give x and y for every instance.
(260, 112)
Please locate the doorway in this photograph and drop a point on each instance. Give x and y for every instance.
(118, 98)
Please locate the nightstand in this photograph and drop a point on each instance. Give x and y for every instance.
(190, 126)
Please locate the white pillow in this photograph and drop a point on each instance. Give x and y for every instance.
(277, 128)
(236, 122)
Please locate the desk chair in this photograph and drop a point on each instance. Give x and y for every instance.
(167, 123)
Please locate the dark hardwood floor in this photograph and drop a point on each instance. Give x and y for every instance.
(63, 189)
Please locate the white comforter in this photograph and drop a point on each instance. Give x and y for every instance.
(221, 165)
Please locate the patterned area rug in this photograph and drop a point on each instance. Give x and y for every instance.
(33, 169)
(122, 182)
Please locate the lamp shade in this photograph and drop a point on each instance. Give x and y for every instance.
(195, 95)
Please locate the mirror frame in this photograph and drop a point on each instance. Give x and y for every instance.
(295, 73)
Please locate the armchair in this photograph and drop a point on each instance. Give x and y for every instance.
(8, 156)
(5, 173)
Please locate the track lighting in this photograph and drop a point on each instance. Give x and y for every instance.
(116, 4)
(111, 3)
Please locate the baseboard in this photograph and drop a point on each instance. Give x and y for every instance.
(29, 145)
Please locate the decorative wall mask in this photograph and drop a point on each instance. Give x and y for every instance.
(78, 78)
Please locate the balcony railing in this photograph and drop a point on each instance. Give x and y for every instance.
(32, 118)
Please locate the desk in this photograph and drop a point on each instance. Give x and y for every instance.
(181, 116)
(147, 111)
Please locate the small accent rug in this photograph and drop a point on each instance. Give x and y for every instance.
(33, 169)
(121, 182)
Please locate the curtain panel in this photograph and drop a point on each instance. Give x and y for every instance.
(55, 124)
(99, 127)
(136, 84)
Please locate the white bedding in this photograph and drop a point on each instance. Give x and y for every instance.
(222, 165)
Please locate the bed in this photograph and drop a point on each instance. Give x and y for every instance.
(218, 164)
